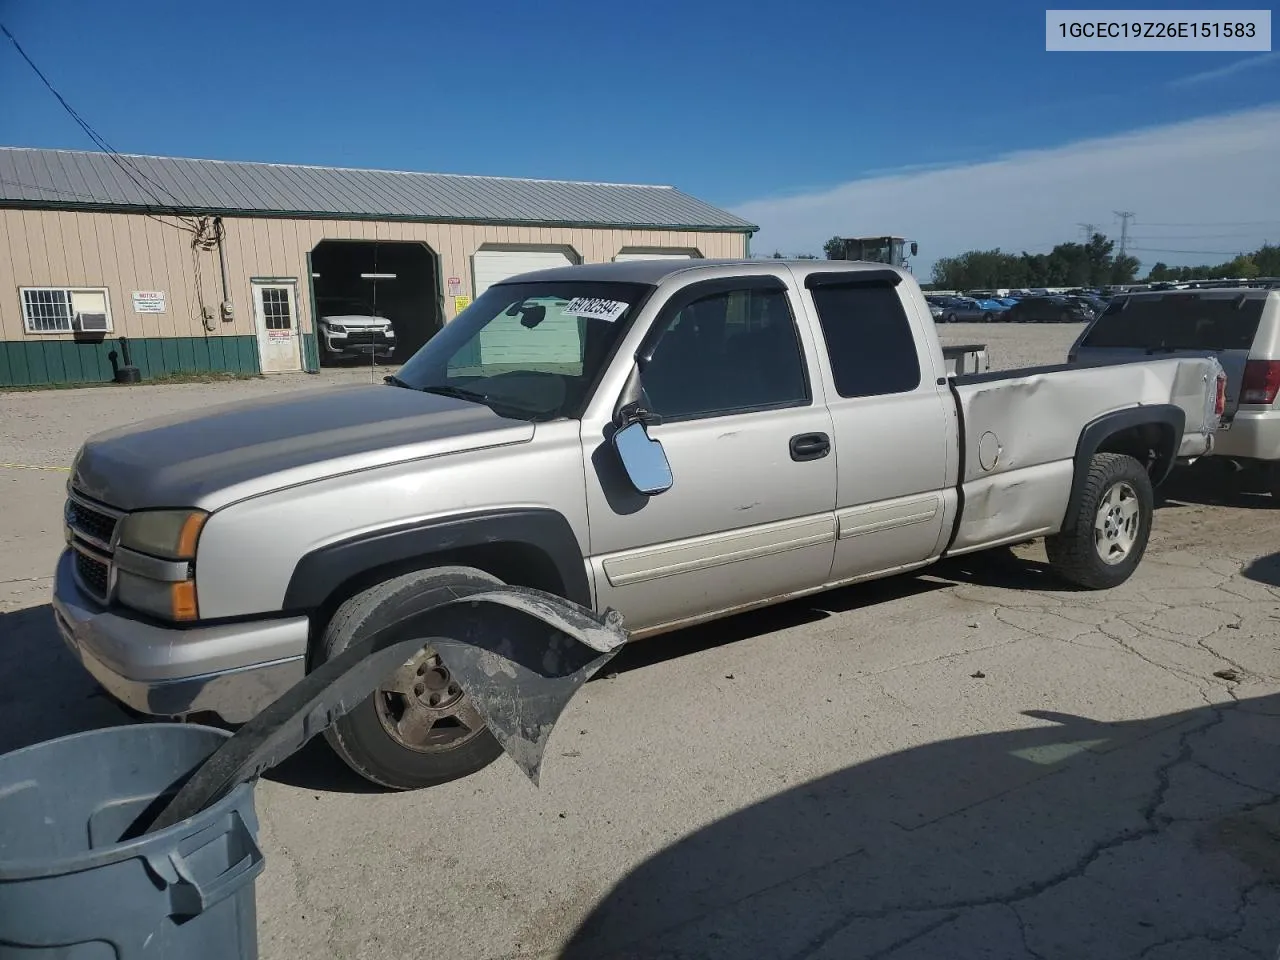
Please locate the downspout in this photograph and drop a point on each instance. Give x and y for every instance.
(228, 312)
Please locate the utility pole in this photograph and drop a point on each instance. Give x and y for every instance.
(1125, 216)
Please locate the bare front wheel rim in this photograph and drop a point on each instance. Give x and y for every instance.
(422, 708)
(1115, 526)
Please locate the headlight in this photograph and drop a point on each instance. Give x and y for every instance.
(337, 328)
(171, 534)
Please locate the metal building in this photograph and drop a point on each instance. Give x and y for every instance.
(208, 265)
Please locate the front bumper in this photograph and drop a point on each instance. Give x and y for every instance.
(358, 345)
(229, 670)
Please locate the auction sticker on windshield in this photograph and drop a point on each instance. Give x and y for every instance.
(593, 309)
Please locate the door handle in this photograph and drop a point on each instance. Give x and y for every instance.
(810, 446)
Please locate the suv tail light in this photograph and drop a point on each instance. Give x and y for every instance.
(1261, 381)
(1220, 399)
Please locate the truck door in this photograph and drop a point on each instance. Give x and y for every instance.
(895, 425)
(750, 515)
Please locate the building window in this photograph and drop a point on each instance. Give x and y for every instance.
(275, 308)
(66, 310)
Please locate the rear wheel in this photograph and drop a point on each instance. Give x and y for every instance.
(986, 318)
(1107, 526)
(418, 728)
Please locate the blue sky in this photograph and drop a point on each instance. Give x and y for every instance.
(776, 110)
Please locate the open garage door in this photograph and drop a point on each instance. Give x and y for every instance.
(374, 296)
(653, 255)
(493, 266)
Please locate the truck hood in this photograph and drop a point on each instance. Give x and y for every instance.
(210, 458)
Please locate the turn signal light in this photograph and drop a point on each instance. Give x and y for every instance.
(1261, 381)
(183, 597)
(1220, 399)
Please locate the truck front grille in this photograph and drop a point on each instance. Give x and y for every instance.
(91, 531)
(91, 522)
(94, 574)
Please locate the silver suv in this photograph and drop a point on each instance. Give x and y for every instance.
(1238, 325)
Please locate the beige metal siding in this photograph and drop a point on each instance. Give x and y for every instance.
(127, 252)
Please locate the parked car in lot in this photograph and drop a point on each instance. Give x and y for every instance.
(1054, 309)
(674, 440)
(1240, 326)
(967, 309)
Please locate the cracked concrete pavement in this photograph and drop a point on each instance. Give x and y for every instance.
(971, 762)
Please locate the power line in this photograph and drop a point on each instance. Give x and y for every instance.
(129, 169)
(1221, 223)
(92, 199)
(1196, 236)
(1205, 253)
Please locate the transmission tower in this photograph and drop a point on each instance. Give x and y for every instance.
(1088, 229)
(1125, 216)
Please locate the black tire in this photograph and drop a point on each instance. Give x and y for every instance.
(986, 318)
(951, 318)
(363, 737)
(1077, 552)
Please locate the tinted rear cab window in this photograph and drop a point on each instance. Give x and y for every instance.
(869, 339)
(1178, 322)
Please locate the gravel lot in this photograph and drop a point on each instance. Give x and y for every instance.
(972, 762)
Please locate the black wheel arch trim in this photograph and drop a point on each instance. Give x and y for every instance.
(326, 568)
(1097, 432)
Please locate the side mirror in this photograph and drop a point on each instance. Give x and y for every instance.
(643, 459)
(915, 248)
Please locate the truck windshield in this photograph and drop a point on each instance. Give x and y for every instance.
(532, 351)
(1177, 322)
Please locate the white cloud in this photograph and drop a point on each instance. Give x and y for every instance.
(1230, 70)
(1216, 174)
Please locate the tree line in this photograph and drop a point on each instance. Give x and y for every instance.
(1092, 264)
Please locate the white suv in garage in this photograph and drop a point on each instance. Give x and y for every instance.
(354, 335)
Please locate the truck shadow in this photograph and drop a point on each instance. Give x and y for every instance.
(1264, 570)
(44, 692)
(1211, 483)
(1068, 838)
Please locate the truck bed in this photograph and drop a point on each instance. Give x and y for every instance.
(1019, 431)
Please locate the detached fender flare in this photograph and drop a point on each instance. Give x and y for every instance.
(323, 570)
(1097, 432)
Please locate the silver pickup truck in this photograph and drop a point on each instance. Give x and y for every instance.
(678, 441)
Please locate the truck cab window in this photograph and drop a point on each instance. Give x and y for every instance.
(869, 340)
(727, 353)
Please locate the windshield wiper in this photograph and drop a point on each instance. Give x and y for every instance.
(503, 408)
(461, 393)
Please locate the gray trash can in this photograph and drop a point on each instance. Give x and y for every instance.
(75, 881)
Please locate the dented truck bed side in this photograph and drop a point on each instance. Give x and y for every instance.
(1027, 433)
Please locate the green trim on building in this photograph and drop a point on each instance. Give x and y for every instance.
(34, 362)
(310, 354)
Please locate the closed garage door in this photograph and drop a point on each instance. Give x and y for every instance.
(558, 340)
(493, 266)
(652, 256)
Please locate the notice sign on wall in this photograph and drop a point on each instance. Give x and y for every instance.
(460, 304)
(455, 286)
(148, 301)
